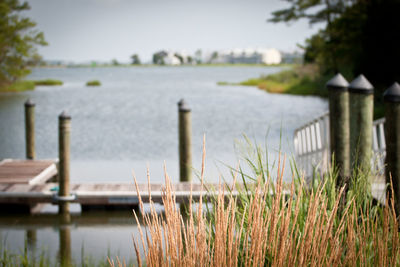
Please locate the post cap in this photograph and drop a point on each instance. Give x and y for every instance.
(392, 94)
(64, 116)
(183, 106)
(361, 85)
(29, 103)
(338, 83)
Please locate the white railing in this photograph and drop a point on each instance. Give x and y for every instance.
(312, 150)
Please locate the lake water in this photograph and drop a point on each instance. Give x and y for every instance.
(130, 121)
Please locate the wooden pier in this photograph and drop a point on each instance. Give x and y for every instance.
(30, 190)
(25, 187)
(92, 196)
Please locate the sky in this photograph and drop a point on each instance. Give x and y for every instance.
(102, 30)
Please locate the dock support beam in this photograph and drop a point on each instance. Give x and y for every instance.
(339, 126)
(392, 136)
(64, 130)
(30, 129)
(361, 120)
(185, 148)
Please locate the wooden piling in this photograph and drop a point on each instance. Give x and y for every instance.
(64, 130)
(361, 119)
(185, 142)
(339, 125)
(185, 149)
(392, 137)
(30, 129)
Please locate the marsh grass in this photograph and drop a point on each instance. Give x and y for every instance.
(93, 83)
(270, 225)
(48, 82)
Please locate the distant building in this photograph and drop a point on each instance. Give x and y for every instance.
(292, 58)
(248, 56)
(170, 58)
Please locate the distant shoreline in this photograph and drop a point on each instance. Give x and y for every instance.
(156, 66)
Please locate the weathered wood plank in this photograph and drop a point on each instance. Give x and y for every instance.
(27, 171)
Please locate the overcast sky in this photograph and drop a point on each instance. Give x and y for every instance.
(84, 30)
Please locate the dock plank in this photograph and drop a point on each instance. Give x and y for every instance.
(27, 171)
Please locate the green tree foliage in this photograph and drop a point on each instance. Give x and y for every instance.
(114, 62)
(18, 41)
(198, 56)
(359, 36)
(135, 59)
(158, 58)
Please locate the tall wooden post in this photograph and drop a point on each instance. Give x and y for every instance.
(185, 149)
(392, 138)
(361, 119)
(30, 129)
(339, 125)
(64, 130)
(185, 142)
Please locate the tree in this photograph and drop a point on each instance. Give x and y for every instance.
(214, 56)
(158, 57)
(358, 37)
(198, 56)
(18, 41)
(316, 11)
(135, 59)
(114, 62)
(180, 57)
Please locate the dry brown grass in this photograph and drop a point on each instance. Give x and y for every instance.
(305, 228)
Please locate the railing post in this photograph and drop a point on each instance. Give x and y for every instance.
(30, 129)
(339, 125)
(64, 130)
(185, 142)
(392, 135)
(361, 120)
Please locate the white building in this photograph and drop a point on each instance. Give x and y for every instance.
(171, 59)
(248, 56)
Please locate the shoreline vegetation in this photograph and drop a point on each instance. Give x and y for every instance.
(28, 85)
(298, 80)
(93, 83)
(302, 80)
(127, 65)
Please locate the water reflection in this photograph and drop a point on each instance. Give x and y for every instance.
(66, 237)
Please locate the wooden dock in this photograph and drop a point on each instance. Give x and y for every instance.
(95, 196)
(25, 187)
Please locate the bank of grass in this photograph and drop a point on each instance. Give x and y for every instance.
(308, 225)
(93, 83)
(48, 82)
(27, 85)
(298, 80)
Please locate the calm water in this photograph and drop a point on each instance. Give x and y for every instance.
(131, 121)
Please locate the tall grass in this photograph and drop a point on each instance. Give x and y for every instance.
(272, 224)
